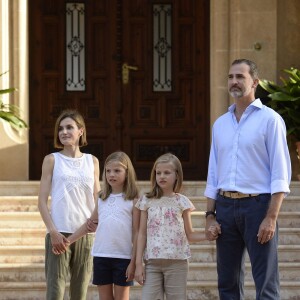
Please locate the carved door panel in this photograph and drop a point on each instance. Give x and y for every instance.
(176, 120)
(132, 116)
(48, 92)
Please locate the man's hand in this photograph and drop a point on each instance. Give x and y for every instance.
(212, 228)
(266, 230)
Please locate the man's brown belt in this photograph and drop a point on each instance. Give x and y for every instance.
(236, 195)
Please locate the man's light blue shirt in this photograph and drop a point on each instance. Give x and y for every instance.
(251, 156)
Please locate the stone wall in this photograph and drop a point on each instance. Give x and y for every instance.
(240, 29)
(13, 154)
(267, 32)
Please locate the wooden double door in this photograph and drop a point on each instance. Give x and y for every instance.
(131, 116)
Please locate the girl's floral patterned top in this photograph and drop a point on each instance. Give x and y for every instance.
(166, 236)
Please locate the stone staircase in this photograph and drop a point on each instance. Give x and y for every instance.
(22, 247)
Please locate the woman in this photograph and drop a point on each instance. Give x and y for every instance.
(72, 178)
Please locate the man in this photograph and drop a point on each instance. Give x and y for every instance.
(248, 177)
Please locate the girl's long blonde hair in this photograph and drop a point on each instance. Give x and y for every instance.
(130, 188)
(156, 191)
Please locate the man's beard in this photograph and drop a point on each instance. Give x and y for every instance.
(236, 93)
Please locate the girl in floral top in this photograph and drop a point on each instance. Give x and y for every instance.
(164, 234)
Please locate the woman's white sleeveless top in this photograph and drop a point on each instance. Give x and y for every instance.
(72, 199)
(114, 232)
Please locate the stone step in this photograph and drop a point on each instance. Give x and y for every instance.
(207, 253)
(22, 272)
(35, 272)
(27, 188)
(21, 220)
(36, 291)
(203, 290)
(289, 236)
(191, 188)
(291, 203)
(22, 254)
(30, 203)
(295, 188)
(200, 253)
(24, 188)
(22, 236)
(34, 220)
(286, 219)
(36, 236)
(208, 271)
(19, 203)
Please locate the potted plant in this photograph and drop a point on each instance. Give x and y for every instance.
(11, 113)
(285, 99)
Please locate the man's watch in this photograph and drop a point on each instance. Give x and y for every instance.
(210, 212)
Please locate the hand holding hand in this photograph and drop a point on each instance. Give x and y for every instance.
(140, 274)
(212, 230)
(59, 242)
(91, 225)
(130, 271)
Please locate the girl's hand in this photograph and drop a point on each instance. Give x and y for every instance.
(214, 230)
(140, 274)
(130, 271)
(91, 225)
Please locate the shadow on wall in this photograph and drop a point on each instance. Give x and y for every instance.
(13, 162)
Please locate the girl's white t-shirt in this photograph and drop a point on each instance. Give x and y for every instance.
(72, 199)
(113, 236)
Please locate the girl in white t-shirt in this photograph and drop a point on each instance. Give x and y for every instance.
(164, 234)
(114, 248)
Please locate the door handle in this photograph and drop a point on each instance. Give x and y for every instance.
(125, 72)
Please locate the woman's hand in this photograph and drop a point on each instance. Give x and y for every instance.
(59, 242)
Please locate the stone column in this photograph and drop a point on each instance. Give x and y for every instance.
(14, 58)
